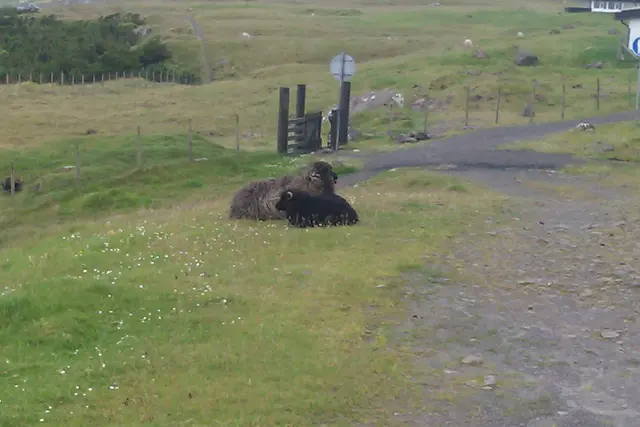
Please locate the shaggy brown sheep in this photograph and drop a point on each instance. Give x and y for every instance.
(257, 200)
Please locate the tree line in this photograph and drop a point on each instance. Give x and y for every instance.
(34, 45)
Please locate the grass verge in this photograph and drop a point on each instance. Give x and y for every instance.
(615, 149)
(178, 316)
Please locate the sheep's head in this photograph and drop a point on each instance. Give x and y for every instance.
(321, 175)
(285, 198)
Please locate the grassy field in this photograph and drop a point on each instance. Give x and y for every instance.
(178, 316)
(415, 49)
(128, 298)
(617, 146)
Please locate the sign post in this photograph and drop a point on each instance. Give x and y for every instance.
(342, 68)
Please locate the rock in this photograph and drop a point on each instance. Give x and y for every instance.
(568, 27)
(403, 139)
(91, 132)
(609, 334)
(596, 64)
(606, 148)
(472, 360)
(480, 54)
(613, 32)
(527, 111)
(525, 58)
(554, 31)
(586, 293)
(490, 381)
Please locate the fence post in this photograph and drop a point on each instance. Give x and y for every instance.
(237, 133)
(598, 94)
(301, 95)
(61, 78)
(533, 101)
(390, 130)
(343, 112)
(138, 150)
(31, 76)
(425, 106)
(563, 100)
(466, 107)
(6, 78)
(283, 120)
(12, 178)
(51, 81)
(73, 79)
(102, 81)
(78, 163)
(498, 105)
(19, 78)
(40, 78)
(82, 80)
(190, 142)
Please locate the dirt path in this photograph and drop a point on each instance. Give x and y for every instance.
(537, 323)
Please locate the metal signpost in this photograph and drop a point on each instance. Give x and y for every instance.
(635, 47)
(342, 67)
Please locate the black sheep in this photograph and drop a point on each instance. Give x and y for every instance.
(306, 210)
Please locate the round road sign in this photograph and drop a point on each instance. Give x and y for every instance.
(342, 67)
(635, 46)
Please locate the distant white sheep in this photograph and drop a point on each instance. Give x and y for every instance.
(468, 43)
(520, 34)
(246, 35)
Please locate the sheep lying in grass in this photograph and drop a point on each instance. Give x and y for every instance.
(257, 199)
(306, 210)
(6, 184)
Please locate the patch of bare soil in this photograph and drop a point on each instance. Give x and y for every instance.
(537, 323)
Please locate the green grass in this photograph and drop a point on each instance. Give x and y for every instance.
(415, 49)
(614, 147)
(177, 315)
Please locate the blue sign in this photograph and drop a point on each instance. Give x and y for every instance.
(635, 46)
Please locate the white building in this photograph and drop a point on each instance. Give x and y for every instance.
(627, 12)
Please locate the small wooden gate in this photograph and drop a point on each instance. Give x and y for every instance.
(305, 133)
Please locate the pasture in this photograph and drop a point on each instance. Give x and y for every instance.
(130, 299)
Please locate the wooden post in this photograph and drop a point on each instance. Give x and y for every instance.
(153, 74)
(425, 108)
(6, 78)
(12, 178)
(498, 105)
(41, 78)
(533, 101)
(78, 163)
(283, 120)
(301, 95)
(82, 80)
(31, 76)
(51, 81)
(237, 133)
(598, 94)
(94, 79)
(117, 75)
(466, 107)
(563, 100)
(160, 76)
(102, 80)
(390, 130)
(190, 143)
(19, 78)
(343, 112)
(73, 79)
(138, 150)
(61, 78)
